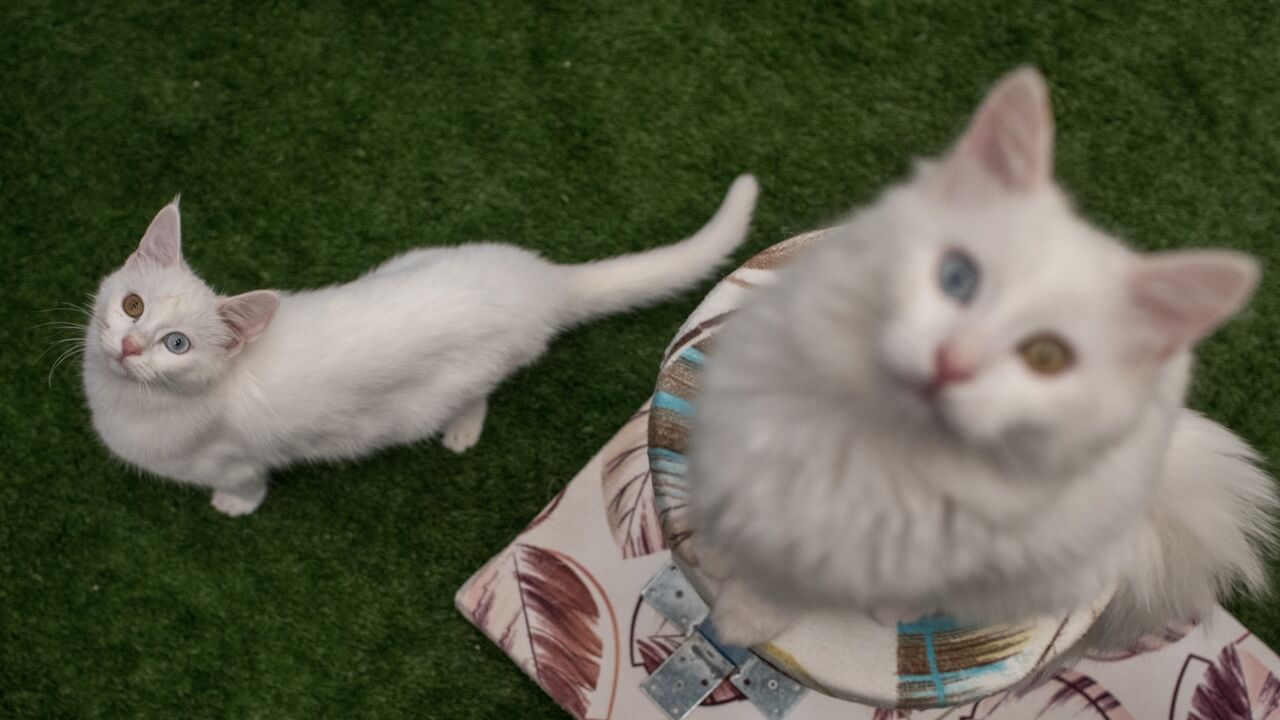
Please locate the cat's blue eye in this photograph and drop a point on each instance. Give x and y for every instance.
(958, 276)
(176, 343)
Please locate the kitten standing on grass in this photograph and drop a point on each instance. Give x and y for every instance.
(217, 391)
(970, 401)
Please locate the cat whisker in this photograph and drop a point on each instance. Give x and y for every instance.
(79, 342)
(73, 352)
(56, 345)
(69, 307)
(60, 324)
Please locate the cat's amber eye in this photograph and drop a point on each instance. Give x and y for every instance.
(1046, 354)
(132, 305)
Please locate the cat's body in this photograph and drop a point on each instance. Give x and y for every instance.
(408, 351)
(970, 401)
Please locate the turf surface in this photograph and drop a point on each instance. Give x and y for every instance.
(310, 143)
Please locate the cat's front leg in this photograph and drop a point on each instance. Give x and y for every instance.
(464, 429)
(240, 492)
(742, 617)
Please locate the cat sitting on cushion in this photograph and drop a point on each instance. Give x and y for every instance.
(217, 391)
(970, 401)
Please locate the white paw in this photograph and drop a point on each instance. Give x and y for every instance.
(463, 434)
(744, 631)
(235, 505)
(745, 621)
(891, 616)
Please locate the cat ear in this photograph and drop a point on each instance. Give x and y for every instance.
(1182, 296)
(1010, 138)
(248, 315)
(162, 243)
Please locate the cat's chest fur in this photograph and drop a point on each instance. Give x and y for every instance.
(147, 429)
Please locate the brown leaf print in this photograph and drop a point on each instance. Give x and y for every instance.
(696, 333)
(546, 512)
(1236, 687)
(772, 258)
(1066, 695)
(764, 262)
(536, 605)
(1076, 694)
(628, 489)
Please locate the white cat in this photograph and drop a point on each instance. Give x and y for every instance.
(216, 391)
(970, 401)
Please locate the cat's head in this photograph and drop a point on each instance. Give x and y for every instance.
(155, 322)
(990, 310)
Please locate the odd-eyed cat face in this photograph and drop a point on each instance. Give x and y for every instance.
(974, 301)
(157, 323)
(1002, 326)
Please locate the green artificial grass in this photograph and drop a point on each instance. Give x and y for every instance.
(311, 142)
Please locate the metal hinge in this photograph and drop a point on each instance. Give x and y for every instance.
(703, 661)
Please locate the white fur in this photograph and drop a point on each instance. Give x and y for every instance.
(405, 352)
(823, 473)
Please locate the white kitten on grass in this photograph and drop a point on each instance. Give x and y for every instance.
(217, 391)
(970, 401)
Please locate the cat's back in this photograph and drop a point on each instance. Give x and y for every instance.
(473, 284)
(470, 258)
(470, 310)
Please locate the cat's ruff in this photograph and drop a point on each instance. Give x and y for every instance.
(853, 656)
(407, 351)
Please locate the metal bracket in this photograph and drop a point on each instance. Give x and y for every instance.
(703, 661)
(671, 595)
(692, 673)
(769, 690)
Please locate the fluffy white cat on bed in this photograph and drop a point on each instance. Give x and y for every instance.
(970, 401)
(216, 391)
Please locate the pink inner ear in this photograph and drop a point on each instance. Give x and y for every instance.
(162, 243)
(248, 315)
(1010, 138)
(1183, 296)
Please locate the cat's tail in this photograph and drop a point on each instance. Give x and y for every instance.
(1209, 530)
(621, 283)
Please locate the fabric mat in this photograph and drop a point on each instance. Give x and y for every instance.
(563, 600)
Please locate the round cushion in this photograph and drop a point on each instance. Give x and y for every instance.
(924, 663)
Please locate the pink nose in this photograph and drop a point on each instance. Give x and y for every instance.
(129, 346)
(947, 369)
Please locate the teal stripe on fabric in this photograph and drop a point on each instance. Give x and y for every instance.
(662, 460)
(926, 627)
(666, 466)
(939, 688)
(676, 404)
(693, 355)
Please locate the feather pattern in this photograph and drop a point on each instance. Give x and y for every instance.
(1080, 693)
(1236, 687)
(536, 606)
(628, 489)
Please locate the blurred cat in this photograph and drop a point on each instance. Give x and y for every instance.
(216, 391)
(970, 401)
